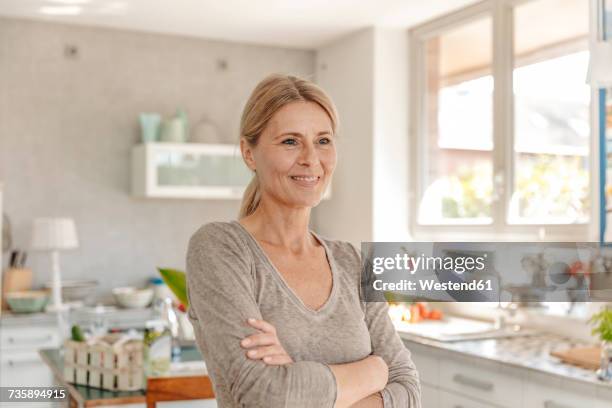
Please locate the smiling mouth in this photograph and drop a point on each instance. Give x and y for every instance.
(306, 181)
(306, 178)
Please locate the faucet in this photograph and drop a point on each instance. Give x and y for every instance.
(504, 312)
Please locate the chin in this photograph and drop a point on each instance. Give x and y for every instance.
(311, 201)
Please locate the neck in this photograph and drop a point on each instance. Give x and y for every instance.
(279, 225)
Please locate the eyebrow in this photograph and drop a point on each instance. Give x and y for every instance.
(323, 132)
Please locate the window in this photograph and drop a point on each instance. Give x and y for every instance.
(501, 113)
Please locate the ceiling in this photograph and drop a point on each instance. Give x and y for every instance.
(305, 24)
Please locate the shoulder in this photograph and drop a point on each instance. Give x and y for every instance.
(215, 237)
(217, 253)
(343, 252)
(214, 233)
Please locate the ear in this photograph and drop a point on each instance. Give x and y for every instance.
(247, 153)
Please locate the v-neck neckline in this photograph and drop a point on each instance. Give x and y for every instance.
(279, 277)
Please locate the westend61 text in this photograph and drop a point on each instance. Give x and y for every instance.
(433, 285)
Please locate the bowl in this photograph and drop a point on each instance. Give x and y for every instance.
(132, 298)
(77, 290)
(30, 301)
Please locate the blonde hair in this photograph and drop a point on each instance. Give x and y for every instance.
(271, 94)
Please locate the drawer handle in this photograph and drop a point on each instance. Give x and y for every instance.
(553, 404)
(13, 340)
(473, 382)
(13, 363)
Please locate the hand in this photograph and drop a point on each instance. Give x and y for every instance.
(265, 345)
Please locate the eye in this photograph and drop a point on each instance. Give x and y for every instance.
(325, 140)
(290, 141)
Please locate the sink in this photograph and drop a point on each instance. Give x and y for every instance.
(457, 329)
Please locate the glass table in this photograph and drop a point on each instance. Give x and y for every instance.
(180, 384)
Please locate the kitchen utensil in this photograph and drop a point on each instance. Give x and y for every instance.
(15, 280)
(22, 260)
(585, 357)
(149, 127)
(27, 301)
(13, 259)
(132, 298)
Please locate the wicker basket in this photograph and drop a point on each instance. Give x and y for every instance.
(104, 364)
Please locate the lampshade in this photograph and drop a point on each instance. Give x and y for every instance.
(50, 234)
(600, 66)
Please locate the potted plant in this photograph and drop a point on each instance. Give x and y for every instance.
(603, 328)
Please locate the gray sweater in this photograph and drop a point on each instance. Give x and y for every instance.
(230, 278)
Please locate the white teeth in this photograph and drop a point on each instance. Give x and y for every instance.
(304, 178)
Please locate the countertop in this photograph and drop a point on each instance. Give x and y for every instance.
(525, 356)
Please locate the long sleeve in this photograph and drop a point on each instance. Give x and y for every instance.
(221, 294)
(403, 388)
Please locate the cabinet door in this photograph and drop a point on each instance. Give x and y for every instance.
(28, 338)
(427, 366)
(540, 396)
(483, 384)
(452, 400)
(24, 369)
(430, 396)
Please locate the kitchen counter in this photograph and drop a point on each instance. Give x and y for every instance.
(525, 356)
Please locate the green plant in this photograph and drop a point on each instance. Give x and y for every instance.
(177, 282)
(603, 322)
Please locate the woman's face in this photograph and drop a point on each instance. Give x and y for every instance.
(295, 156)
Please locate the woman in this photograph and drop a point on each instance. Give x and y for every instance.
(276, 308)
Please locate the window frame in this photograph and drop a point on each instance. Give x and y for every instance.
(501, 14)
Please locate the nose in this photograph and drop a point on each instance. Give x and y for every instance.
(308, 156)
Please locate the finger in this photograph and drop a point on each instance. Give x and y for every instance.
(261, 352)
(259, 339)
(261, 325)
(278, 359)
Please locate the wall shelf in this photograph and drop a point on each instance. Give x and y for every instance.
(188, 170)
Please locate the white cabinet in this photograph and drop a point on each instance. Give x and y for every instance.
(481, 383)
(541, 396)
(427, 367)
(20, 363)
(188, 170)
(452, 400)
(458, 381)
(430, 396)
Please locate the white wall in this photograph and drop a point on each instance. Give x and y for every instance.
(366, 74)
(391, 150)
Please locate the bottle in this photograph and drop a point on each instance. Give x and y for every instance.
(160, 290)
(169, 316)
(157, 348)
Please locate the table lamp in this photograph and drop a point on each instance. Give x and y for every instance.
(54, 235)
